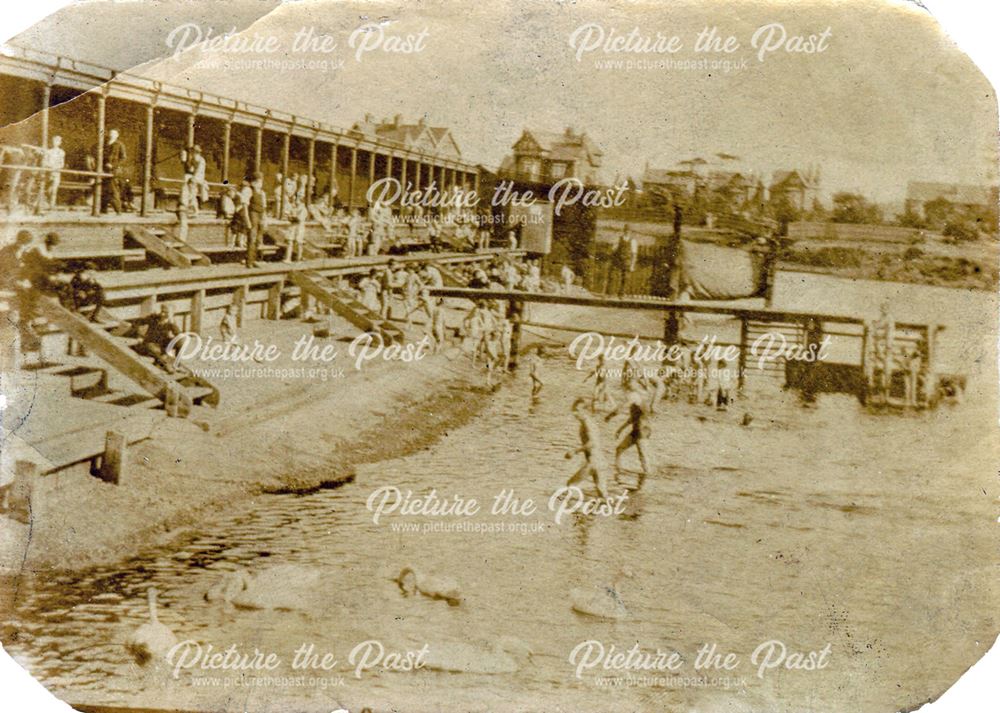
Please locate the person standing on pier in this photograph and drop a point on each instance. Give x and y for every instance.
(114, 163)
(256, 207)
(53, 161)
(623, 261)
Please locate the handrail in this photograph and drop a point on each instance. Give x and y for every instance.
(75, 172)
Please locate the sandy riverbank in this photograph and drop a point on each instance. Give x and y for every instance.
(269, 434)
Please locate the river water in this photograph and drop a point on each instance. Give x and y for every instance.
(868, 534)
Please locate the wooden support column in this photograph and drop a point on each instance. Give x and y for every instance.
(332, 188)
(416, 174)
(744, 347)
(20, 494)
(190, 129)
(274, 300)
(286, 142)
(147, 163)
(515, 313)
(310, 170)
(475, 182)
(98, 181)
(354, 171)
(227, 137)
(46, 100)
(402, 173)
(197, 311)
(258, 148)
(371, 167)
(813, 337)
(112, 467)
(240, 300)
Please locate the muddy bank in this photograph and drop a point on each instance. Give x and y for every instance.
(299, 439)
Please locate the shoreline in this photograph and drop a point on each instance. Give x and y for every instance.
(317, 439)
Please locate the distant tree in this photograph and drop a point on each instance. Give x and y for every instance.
(784, 211)
(960, 231)
(854, 208)
(911, 218)
(818, 212)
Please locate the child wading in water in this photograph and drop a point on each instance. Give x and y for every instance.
(601, 395)
(535, 371)
(591, 448)
(638, 428)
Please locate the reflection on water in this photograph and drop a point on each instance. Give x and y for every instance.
(826, 525)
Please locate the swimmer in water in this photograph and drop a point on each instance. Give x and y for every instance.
(638, 428)
(591, 448)
(602, 395)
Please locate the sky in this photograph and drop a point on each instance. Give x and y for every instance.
(888, 100)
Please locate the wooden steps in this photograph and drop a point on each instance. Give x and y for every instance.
(178, 392)
(164, 247)
(344, 304)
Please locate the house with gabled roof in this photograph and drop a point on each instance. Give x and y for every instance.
(801, 188)
(547, 157)
(418, 136)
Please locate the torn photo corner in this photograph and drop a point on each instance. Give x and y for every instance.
(444, 356)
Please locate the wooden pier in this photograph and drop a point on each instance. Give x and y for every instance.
(857, 374)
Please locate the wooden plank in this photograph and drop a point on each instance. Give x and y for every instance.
(154, 245)
(345, 305)
(759, 315)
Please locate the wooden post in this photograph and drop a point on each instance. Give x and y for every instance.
(930, 365)
(284, 172)
(742, 364)
(46, 100)
(402, 173)
(148, 306)
(388, 165)
(813, 336)
(274, 300)
(417, 172)
(332, 189)
(310, 170)
(190, 129)
(354, 171)
(113, 461)
(258, 148)
(371, 167)
(240, 300)
(22, 490)
(515, 313)
(98, 180)
(197, 311)
(147, 163)
(227, 137)
(475, 182)
(867, 365)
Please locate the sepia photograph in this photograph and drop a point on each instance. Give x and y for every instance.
(525, 356)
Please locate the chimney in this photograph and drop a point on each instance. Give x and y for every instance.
(369, 118)
(422, 121)
(397, 120)
(569, 132)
